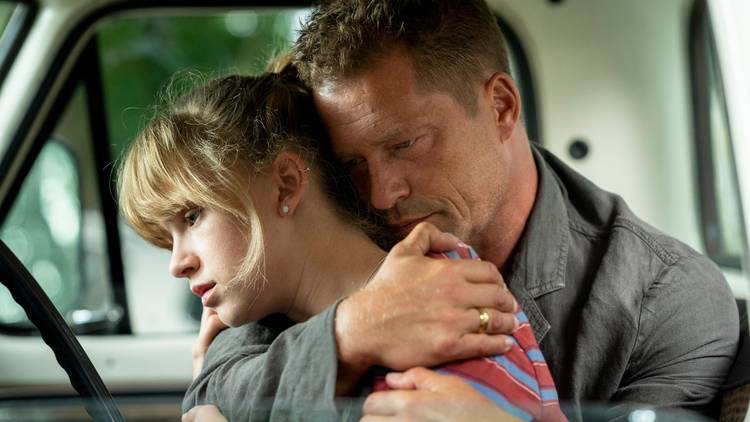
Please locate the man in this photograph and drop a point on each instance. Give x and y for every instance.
(420, 106)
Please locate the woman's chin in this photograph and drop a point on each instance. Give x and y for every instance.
(232, 318)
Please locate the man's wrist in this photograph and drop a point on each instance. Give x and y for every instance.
(353, 360)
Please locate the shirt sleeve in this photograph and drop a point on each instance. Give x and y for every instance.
(252, 374)
(674, 367)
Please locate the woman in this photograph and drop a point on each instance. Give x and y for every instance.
(234, 180)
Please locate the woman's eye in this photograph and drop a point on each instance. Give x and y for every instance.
(191, 217)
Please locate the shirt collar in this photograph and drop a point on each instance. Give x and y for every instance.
(539, 263)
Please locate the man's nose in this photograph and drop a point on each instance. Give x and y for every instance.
(183, 262)
(387, 188)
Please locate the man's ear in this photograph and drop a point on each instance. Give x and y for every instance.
(502, 93)
(291, 175)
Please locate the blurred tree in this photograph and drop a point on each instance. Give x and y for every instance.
(139, 56)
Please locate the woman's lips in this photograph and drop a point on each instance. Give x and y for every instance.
(207, 296)
(203, 291)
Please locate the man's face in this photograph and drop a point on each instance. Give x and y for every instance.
(417, 156)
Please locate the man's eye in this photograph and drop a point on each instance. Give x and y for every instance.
(191, 217)
(354, 162)
(404, 144)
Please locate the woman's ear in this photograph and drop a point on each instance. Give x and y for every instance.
(505, 101)
(291, 175)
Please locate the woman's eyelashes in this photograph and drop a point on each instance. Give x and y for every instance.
(191, 216)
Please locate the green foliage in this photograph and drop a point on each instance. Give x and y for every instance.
(140, 55)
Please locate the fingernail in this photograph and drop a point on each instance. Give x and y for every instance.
(509, 342)
(516, 323)
(368, 403)
(394, 376)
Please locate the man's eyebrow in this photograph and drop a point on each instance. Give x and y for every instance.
(381, 140)
(397, 133)
(387, 137)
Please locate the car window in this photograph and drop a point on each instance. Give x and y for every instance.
(55, 226)
(103, 277)
(6, 8)
(13, 17)
(138, 58)
(719, 195)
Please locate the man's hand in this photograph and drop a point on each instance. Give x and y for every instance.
(423, 395)
(419, 311)
(211, 325)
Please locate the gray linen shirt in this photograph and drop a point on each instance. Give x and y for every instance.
(622, 313)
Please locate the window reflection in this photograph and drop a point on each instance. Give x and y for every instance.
(43, 229)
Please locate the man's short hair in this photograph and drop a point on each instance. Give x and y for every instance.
(452, 44)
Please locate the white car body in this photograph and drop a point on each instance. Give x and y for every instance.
(615, 73)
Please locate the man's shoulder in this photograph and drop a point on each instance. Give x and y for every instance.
(602, 220)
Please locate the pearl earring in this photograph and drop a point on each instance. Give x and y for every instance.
(285, 209)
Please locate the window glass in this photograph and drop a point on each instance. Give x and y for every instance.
(727, 200)
(11, 16)
(6, 9)
(138, 57)
(55, 226)
(43, 229)
(723, 231)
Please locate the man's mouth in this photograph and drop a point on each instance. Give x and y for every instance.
(203, 291)
(406, 225)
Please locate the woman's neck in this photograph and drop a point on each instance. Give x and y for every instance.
(340, 260)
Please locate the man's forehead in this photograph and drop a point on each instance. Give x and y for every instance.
(356, 119)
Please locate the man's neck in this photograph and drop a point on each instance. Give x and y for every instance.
(498, 240)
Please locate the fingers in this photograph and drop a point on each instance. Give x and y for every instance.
(385, 403)
(210, 327)
(475, 271)
(375, 418)
(488, 296)
(418, 378)
(424, 238)
(400, 381)
(500, 322)
(204, 413)
(473, 345)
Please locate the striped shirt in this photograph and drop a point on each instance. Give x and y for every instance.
(518, 381)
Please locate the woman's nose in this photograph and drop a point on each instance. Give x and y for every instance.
(183, 263)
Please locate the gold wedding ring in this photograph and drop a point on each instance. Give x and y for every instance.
(484, 320)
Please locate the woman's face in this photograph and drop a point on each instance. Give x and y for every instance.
(208, 247)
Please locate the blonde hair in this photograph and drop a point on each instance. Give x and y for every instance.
(202, 150)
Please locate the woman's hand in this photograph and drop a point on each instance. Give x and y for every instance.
(424, 395)
(204, 413)
(211, 325)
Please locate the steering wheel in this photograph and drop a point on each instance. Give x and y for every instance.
(58, 336)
